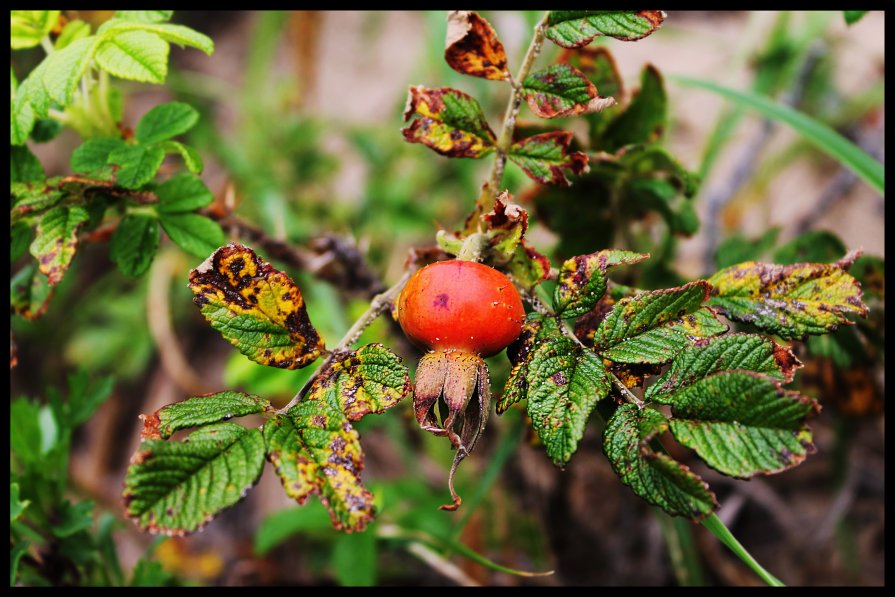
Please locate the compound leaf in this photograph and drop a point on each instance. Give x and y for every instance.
(256, 308)
(654, 476)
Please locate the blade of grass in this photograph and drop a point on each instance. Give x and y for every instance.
(825, 138)
(719, 530)
(678, 535)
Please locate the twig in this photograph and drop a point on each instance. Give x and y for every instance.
(505, 139)
(378, 305)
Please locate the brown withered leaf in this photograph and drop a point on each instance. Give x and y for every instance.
(472, 47)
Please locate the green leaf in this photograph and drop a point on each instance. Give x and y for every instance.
(354, 558)
(138, 164)
(191, 158)
(150, 573)
(16, 507)
(24, 165)
(814, 246)
(448, 121)
(73, 518)
(183, 193)
(177, 487)
(528, 267)
(92, 156)
(256, 308)
(201, 410)
(20, 237)
(791, 301)
(176, 34)
(545, 157)
(28, 27)
(45, 129)
(561, 91)
(654, 476)
(565, 382)
(536, 328)
(280, 526)
(165, 121)
(582, 280)
(134, 55)
(651, 327)
(16, 551)
(30, 292)
(32, 197)
(134, 244)
(741, 423)
(74, 30)
(84, 398)
(145, 16)
(749, 352)
(644, 119)
(61, 72)
(825, 138)
(22, 119)
(853, 16)
(577, 28)
(57, 240)
(737, 248)
(369, 380)
(195, 234)
(314, 449)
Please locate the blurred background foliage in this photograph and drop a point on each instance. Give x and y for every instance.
(300, 131)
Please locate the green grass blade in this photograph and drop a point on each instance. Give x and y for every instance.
(678, 535)
(826, 139)
(719, 530)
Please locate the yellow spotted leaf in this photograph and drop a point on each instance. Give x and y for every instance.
(314, 449)
(449, 121)
(258, 309)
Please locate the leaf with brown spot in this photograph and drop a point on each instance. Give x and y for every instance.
(176, 488)
(370, 380)
(201, 410)
(472, 47)
(528, 267)
(653, 326)
(314, 449)
(257, 308)
(577, 28)
(505, 227)
(56, 241)
(582, 280)
(791, 301)
(560, 91)
(546, 157)
(749, 352)
(654, 476)
(449, 121)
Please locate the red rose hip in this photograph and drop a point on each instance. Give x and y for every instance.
(460, 305)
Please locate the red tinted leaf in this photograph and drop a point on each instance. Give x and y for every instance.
(545, 157)
(472, 47)
(449, 121)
